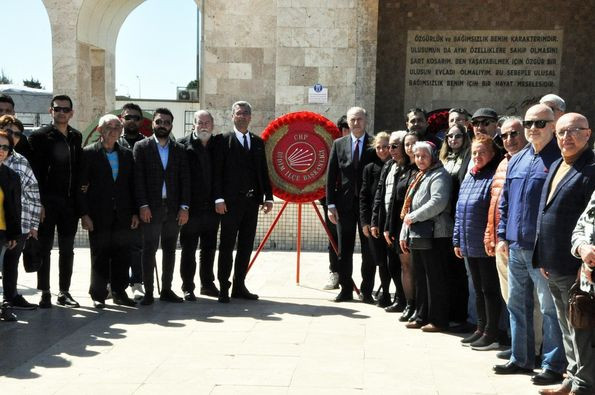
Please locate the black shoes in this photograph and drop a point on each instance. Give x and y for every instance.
(396, 307)
(475, 336)
(46, 300)
(511, 368)
(189, 296)
(504, 354)
(65, 299)
(147, 299)
(243, 293)
(122, 299)
(19, 303)
(384, 300)
(547, 377)
(6, 314)
(368, 299)
(223, 296)
(99, 304)
(167, 295)
(344, 297)
(209, 290)
(407, 313)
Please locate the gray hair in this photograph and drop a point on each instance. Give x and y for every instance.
(425, 145)
(398, 135)
(555, 100)
(510, 119)
(356, 110)
(243, 104)
(200, 112)
(106, 119)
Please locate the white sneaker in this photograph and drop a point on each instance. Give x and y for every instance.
(333, 281)
(137, 291)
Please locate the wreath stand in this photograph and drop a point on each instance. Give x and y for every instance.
(299, 238)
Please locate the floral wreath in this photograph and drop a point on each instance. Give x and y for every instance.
(297, 147)
(437, 121)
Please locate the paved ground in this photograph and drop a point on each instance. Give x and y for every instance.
(292, 341)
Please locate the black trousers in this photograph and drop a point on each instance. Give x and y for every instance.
(136, 254)
(60, 214)
(347, 225)
(333, 259)
(110, 257)
(457, 286)
(239, 223)
(431, 288)
(203, 226)
(10, 269)
(389, 265)
(488, 299)
(164, 226)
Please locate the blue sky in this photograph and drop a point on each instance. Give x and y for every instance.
(157, 43)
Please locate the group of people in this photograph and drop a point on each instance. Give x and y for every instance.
(497, 213)
(479, 233)
(131, 193)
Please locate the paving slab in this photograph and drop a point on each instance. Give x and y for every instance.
(294, 340)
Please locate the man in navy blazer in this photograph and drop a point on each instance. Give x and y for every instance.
(566, 192)
(349, 155)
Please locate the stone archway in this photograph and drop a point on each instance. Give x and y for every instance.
(84, 35)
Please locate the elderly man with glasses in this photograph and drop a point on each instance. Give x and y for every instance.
(55, 158)
(519, 209)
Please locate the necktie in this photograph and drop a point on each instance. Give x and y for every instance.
(356, 154)
(246, 144)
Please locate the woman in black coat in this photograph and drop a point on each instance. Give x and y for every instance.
(370, 177)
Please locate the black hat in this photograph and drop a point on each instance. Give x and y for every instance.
(485, 113)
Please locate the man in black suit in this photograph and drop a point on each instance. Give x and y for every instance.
(349, 156)
(204, 221)
(108, 211)
(241, 184)
(162, 189)
(55, 159)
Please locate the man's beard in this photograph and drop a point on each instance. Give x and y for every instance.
(203, 135)
(161, 132)
(131, 131)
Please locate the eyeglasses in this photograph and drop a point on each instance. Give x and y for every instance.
(5, 147)
(131, 117)
(64, 110)
(510, 135)
(569, 132)
(455, 136)
(163, 122)
(483, 122)
(539, 124)
(393, 146)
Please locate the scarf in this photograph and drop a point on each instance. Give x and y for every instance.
(411, 192)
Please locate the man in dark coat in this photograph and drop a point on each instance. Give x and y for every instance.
(162, 190)
(108, 211)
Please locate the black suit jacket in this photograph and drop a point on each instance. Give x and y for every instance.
(557, 219)
(99, 196)
(342, 178)
(200, 161)
(371, 175)
(228, 161)
(149, 175)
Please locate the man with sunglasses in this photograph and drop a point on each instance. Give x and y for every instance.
(55, 159)
(567, 191)
(519, 209)
(131, 117)
(162, 189)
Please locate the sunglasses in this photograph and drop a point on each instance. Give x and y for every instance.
(64, 110)
(455, 136)
(510, 135)
(569, 132)
(539, 124)
(131, 118)
(162, 122)
(393, 146)
(5, 147)
(483, 122)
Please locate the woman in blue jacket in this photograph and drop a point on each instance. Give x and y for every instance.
(471, 218)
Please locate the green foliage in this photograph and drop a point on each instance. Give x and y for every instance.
(192, 85)
(32, 83)
(4, 78)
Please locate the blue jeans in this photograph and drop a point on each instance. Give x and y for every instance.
(522, 277)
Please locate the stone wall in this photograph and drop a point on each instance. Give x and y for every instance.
(396, 17)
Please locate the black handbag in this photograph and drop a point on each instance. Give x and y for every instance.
(421, 235)
(32, 255)
(581, 312)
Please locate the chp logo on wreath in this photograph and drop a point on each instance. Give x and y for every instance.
(297, 149)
